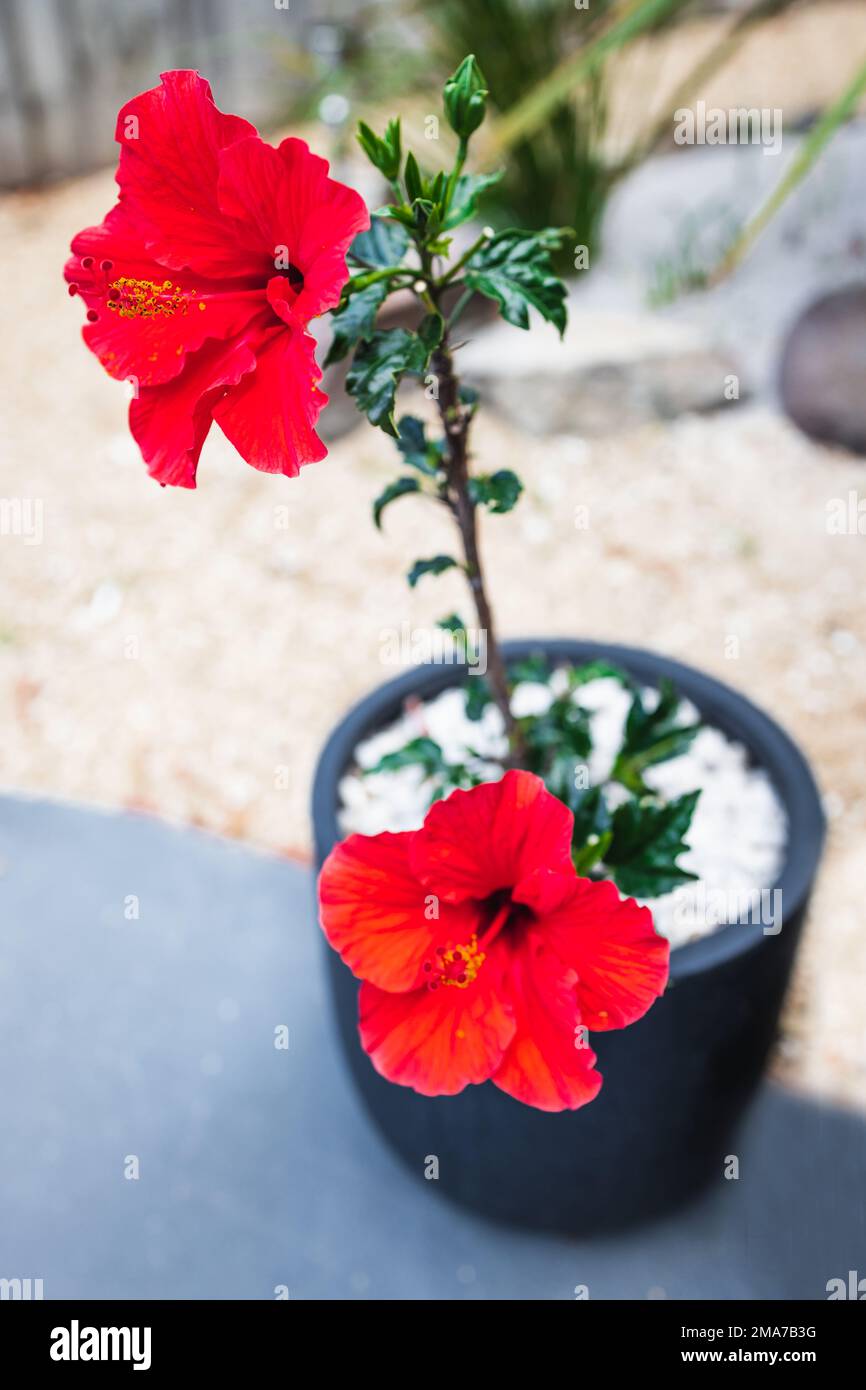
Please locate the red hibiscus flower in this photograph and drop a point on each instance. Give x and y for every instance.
(202, 279)
(483, 955)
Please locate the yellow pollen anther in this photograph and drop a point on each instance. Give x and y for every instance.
(134, 299)
(457, 966)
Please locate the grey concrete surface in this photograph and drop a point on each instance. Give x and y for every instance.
(151, 1037)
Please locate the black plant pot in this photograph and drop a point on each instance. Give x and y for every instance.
(676, 1083)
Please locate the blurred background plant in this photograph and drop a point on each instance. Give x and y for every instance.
(560, 86)
(581, 93)
(559, 172)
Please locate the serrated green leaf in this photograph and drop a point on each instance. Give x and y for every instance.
(498, 492)
(377, 369)
(417, 450)
(437, 564)
(382, 247)
(514, 269)
(468, 190)
(356, 320)
(651, 736)
(648, 837)
(400, 488)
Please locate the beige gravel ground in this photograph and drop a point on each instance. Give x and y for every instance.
(188, 652)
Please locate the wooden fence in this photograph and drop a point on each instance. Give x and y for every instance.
(66, 66)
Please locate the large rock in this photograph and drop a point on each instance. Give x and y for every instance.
(823, 374)
(613, 371)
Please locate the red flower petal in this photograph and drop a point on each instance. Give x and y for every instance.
(270, 417)
(293, 211)
(170, 140)
(437, 1041)
(620, 960)
(376, 914)
(109, 267)
(170, 422)
(546, 1065)
(492, 837)
(186, 260)
(544, 889)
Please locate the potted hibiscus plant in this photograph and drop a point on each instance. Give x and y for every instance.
(500, 853)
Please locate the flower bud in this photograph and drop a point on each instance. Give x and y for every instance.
(465, 98)
(384, 153)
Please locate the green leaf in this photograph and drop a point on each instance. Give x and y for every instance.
(497, 491)
(430, 331)
(421, 752)
(427, 217)
(535, 668)
(427, 754)
(599, 670)
(355, 321)
(559, 736)
(377, 369)
(465, 98)
(591, 816)
(412, 177)
(417, 450)
(380, 248)
(400, 488)
(402, 213)
(468, 189)
(453, 623)
(651, 736)
(514, 269)
(438, 564)
(478, 697)
(648, 836)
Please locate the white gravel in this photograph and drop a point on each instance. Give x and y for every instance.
(738, 833)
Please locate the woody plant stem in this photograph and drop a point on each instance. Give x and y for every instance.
(456, 420)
